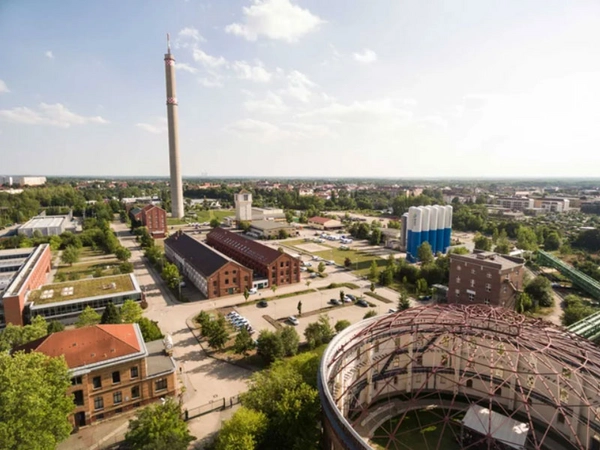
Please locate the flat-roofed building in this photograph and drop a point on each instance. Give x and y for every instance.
(485, 277)
(48, 225)
(112, 369)
(278, 268)
(269, 229)
(65, 301)
(515, 203)
(324, 223)
(212, 272)
(21, 270)
(552, 204)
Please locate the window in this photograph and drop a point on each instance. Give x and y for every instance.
(458, 279)
(214, 283)
(135, 392)
(235, 281)
(116, 377)
(472, 271)
(226, 272)
(459, 268)
(487, 301)
(117, 397)
(472, 283)
(488, 287)
(488, 275)
(457, 291)
(226, 280)
(471, 297)
(498, 391)
(160, 385)
(98, 403)
(469, 383)
(76, 380)
(134, 372)
(97, 382)
(78, 398)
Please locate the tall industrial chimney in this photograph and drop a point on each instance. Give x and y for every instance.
(173, 122)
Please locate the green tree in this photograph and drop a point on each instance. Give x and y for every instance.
(243, 342)
(244, 431)
(217, 335)
(126, 267)
(386, 277)
(321, 267)
(341, 325)
(123, 254)
(214, 223)
(34, 404)
(70, 255)
(319, 332)
(290, 340)
(374, 271)
(269, 346)
(111, 314)
(552, 241)
(523, 303)
(482, 243)
(575, 310)
(203, 318)
(347, 263)
(540, 291)
(424, 253)
(370, 313)
(375, 237)
(150, 330)
(159, 427)
(422, 287)
(246, 294)
(88, 317)
(131, 311)
(282, 234)
(526, 238)
(244, 225)
(14, 335)
(403, 300)
(170, 274)
(55, 327)
(283, 394)
(503, 245)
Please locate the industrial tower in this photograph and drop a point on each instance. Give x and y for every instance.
(173, 122)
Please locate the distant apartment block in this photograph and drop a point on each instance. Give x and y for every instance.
(48, 225)
(112, 369)
(213, 273)
(23, 181)
(485, 277)
(275, 267)
(153, 217)
(552, 204)
(515, 203)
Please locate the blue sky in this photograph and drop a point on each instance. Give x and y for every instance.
(302, 87)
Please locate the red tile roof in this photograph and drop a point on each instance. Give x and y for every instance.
(89, 345)
(321, 220)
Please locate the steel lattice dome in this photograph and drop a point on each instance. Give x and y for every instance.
(460, 376)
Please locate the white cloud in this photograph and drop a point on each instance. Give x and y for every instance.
(271, 104)
(370, 111)
(208, 60)
(185, 67)
(190, 33)
(299, 86)
(255, 73)
(56, 115)
(214, 80)
(3, 87)
(366, 57)
(275, 19)
(49, 54)
(258, 130)
(157, 127)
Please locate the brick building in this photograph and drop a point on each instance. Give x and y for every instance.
(276, 267)
(213, 273)
(485, 277)
(22, 271)
(112, 369)
(153, 217)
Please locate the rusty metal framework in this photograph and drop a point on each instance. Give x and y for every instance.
(444, 359)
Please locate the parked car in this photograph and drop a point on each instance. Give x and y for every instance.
(392, 310)
(253, 291)
(303, 269)
(335, 301)
(293, 320)
(307, 264)
(347, 299)
(424, 298)
(313, 275)
(262, 304)
(362, 302)
(351, 297)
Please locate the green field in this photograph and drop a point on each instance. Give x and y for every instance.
(419, 430)
(83, 288)
(361, 262)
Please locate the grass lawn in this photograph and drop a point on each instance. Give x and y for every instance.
(419, 430)
(83, 288)
(361, 262)
(88, 252)
(88, 268)
(176, 221)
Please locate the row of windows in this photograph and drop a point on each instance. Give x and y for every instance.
(116, 377)
(117, 398)
(75, 306)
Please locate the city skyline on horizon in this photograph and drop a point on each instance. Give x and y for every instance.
(343, 91)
